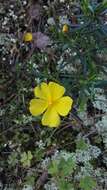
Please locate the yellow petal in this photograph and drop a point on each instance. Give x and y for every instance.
(51, 118)
(27, 37)
(65, 28)
(56, 90)
(37, 106)
(42, 91)
(64, 105)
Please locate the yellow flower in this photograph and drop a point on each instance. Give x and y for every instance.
(27, 37)
(65, 28)
(50, 102)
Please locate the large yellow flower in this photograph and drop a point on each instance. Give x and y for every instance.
(49, 101)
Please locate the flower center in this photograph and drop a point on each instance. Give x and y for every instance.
(50, 102)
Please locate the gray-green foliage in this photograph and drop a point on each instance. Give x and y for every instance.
(63, 166)
(78, 61)
(60, 169)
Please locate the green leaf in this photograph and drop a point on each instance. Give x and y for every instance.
(80, 144)
(101, 7)
(30, 156)
(23, 157)
(87, 183)
(63, 167)
(87, 8)
(39, 153)
(53, 168)
(66, 167)
(13, 159)
(82, 100)
(64, 185)
(26, 158)
(30, 180)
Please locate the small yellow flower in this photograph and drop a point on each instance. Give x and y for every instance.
(65, 28)
(50, 102)
(27, 37)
